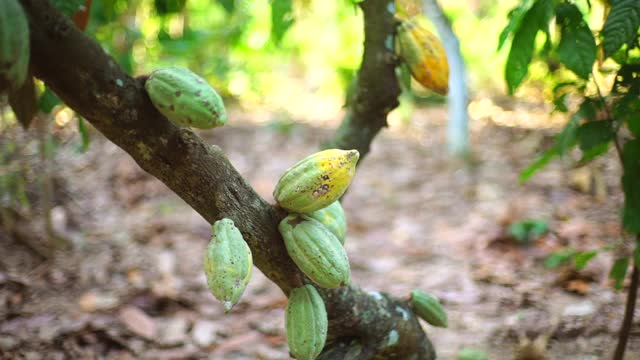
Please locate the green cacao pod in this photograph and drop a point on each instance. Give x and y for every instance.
(316, 181)
(306, 323)
(185, 98)
(227, 263)
(316, 251)
(14, 45)
(428, 307)
(424, 55)
(333, 218)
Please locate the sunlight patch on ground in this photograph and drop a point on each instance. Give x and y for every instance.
(522, 116)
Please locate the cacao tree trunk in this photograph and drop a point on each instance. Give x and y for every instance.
(88, 80)
(458, 97)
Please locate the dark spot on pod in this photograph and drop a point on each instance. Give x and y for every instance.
(322, 190)
(178, 93)
(172, 108)
(198, 92)
(325, 177)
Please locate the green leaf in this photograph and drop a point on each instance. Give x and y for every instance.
(621, 25)
(538, 164)
(582, 259)
(520, 56)
(577, 47)
(84, 135)
(631, 186)
(618, 271)
(627, 109)
(563, 143)
(560, 92)
(164, 7)
(471, 354)
(228, 5)
(633, 122)
(68, 7)
(281, 18)
(528, 230)
(594, 133)
(559, 257)
(48, 100)
(594, 152)
(515, 18)
(521, 52)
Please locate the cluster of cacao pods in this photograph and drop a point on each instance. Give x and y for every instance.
(185, 99)
(314, 233)
(423, 54)
(14, 45)
(315, 228)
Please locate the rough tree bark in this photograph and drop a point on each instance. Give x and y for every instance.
(363, 325)
(377, 88)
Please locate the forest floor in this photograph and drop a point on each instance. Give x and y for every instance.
(133, 285)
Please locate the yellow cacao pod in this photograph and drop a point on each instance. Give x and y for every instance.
(332, 217)
(316, 181)
(408, 8)
(227, 263)
(424, 55)
(316, 251)
(306, 323)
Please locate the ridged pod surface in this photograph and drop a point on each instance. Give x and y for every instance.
(185, 98)
(14, 45)
(306, 323)
(333, 218)
(227, 263)
(316, 251)
(424, 55)
(316, 181)
(428, 307)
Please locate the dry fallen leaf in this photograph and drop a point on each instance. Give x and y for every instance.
(92, 301)
(578, 286)
(136, 321)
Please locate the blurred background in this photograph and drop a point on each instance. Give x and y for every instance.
(98, 257)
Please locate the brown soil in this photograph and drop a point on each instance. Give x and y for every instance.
(133, 286)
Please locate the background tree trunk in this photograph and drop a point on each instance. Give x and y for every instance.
(458, 97)
(88, 80)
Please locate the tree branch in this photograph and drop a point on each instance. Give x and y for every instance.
(377, 87)
(629, 309)
(88, 80)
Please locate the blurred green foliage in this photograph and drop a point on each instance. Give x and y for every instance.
(258, 50)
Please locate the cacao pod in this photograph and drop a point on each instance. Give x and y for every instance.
(316, 251)
(14, 45)
(227, 263)
(428, 307)
(316, 181)
(306, 323)
(424, 55)
(333, 218)
(408, 8)
(185, 98)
